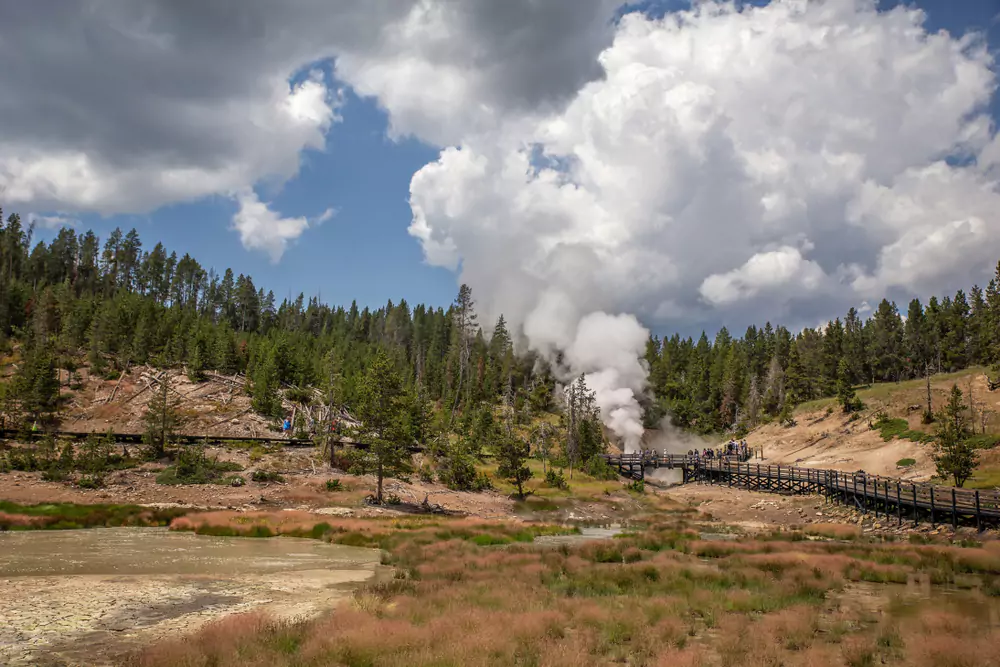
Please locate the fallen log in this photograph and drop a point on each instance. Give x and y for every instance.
(121, 377)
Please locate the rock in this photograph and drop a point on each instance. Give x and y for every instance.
(819, 514)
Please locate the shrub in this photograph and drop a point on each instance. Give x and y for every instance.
(266, 476)
(91, 482)
(458, 469)
(334, 485)
(234, 480)
(297, 395)
(983, 441)
(193, 467)
(853, 406)
(554, 479)
(636, 485)
(890, 428)
(905, 463)
(598, 468)
(482, 482)
(55, 474)
(392, 499)
(426, 473)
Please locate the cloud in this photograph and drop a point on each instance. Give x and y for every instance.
(116, 107)
(324, 216)
(451, 69)
(729, 166)
(783, 269)
(781, 162)
(51, 221)
(261, 228)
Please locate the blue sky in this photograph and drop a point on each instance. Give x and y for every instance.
(364, 251)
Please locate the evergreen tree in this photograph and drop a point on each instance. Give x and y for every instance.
(465, 328)
(512, 454)
(849, 401)
(264, 390)
(381, 408)
(162, 419)
(37, 384)
(956, 457)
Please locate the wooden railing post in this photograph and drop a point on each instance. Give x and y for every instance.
(899, 506)
(979, 523)
(864, 489)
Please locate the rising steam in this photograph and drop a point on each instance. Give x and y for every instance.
(733, 164)
(606, 349)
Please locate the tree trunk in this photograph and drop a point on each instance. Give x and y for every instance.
(927, 374)
(972, 408)
(378, 490)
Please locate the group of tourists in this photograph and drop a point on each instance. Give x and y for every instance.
(733, 449)
(335, 427)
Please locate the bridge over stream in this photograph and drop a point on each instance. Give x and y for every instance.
(885, 496)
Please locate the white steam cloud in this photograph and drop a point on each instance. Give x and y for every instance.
(731, 165)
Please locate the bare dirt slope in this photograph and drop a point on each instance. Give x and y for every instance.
(824, 437)
(216, 406)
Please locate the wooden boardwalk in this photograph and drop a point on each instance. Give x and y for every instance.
(885, 496)
(188, 439)
(137, 438)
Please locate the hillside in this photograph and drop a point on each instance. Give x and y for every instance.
(824, 437)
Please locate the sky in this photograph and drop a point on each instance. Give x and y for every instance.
(565, 158)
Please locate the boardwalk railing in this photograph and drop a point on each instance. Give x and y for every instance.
(886, 496)
(181, 439)
(137, 438)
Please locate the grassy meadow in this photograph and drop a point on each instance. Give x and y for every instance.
(467, 592)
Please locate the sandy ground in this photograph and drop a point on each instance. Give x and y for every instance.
(756, 512)
(822, 440)
(88, 597)
(305, 472)
(305, 491)
(216, 406)
(833, 442)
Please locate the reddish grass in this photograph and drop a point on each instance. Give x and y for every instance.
(656, 598)
(21, 520)
(837, 531)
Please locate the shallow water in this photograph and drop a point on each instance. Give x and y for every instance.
(86, 597)
(110, 551)
(586, 534)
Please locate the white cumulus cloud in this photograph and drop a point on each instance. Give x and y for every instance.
(780, 162)
(51, 221)
(263, 229)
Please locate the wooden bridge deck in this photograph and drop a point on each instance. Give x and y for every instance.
(886, 496)
(137, 438)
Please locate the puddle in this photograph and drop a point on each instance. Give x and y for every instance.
(586, 534)
(718, 537)
(86, 597)
(110, 551)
